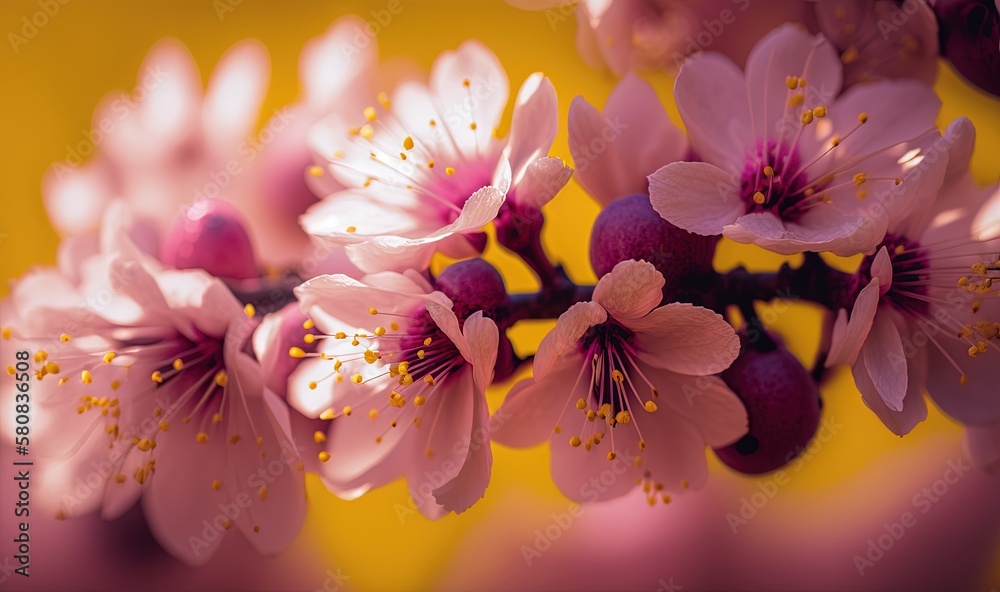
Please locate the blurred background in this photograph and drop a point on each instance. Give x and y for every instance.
(847, 490)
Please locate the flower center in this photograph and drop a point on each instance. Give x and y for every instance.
(910, 288)
(772, 180)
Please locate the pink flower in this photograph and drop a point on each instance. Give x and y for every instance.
(337, 74)
(789, 164)
(414, 400)
(655, 34)
(639, 378)
(143, 387)
(426, 169)
(927, 314)
(165, 144)
(615, 150)
(881, 39)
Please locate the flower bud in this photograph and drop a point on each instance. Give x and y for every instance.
(969, 32)
(782, 403)
(210, 235)
(629, 228)
(278, 333)
(473, 285)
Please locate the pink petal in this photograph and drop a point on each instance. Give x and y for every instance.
(789, 50)
(675, 452)
(469, 485)
(486, 93)
(541, 182)
(332, 299)
(846, 343)
(75, 196)
(483, 338)
(705, 401)
(532, 407)
(588, 475)
(565, 336)
(900, 423)
(179, 498)
(234, 95)
(170, 109)
(534, 123)
(685, 339)
(881, 270)
(712, 98)
(696, 196)
(630, 290)
(617, 150)
(883, 357)
(887, 125)
(334, 63)
(202, 299)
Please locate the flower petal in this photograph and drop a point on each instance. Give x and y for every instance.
(696, 196)
(685, 339)
(234, 95)
(532, 407)
(541, 182)
(574, 468)
(900, 423)
(846, 344)
(711, 96)
(469, 485)
(470, 86)
(706, 401)
(483, 338)
(565, 336)
(629, 291)
(882, 355)
(534, 124)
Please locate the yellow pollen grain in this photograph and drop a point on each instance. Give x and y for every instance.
(324, 456)
(217, 418)
(383, 99)
(234, 439)
(862, 118)
(796, 100)
(449, 170)
(791, 82)
(370, 113)
(178, 364)
(612, 455)
(85, 377)
(316, 171)
(119, 478)
(366, 131)
(768, 171)
(860, 179)
(108, 357)
(216, 484)
(347, 410)
(327, 414)
(221, 378)
(262, 492)
(650, 406)
(575, 441)
(419, 400)
(249, 310)
(202, 437)
(53, 368)
(819, 111)
(296, 352)
(581, 404)
(807, 117)
(758, 198)
(850, 55)
(373, 414)
(163, 425)
(5, 332)
(63, 338)
(308, 324)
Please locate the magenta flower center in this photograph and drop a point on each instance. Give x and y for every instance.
(910, 278)
(773, 180)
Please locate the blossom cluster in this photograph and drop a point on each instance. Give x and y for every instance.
(231, 309)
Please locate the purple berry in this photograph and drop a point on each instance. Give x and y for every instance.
(782, 402)
(629, 228)
(969, 32)
(473, 285)
(210, 235)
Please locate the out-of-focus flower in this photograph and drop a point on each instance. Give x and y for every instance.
(789, 164)
(426, 168)
(149, 390)
(881, 38)
(970, 39)
(166, 144)
(615, 150)
(337, 73)
(639, 380)
(655, 34)
(927, 303)
(413, 403)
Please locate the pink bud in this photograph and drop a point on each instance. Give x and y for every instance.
(210, 235)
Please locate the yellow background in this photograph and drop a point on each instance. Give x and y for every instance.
(51, 85)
